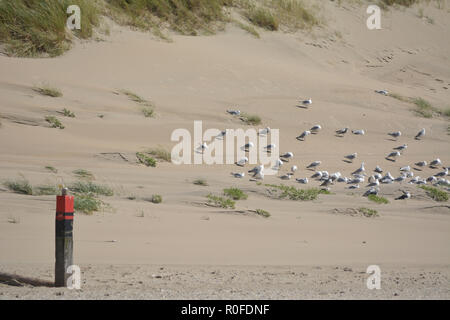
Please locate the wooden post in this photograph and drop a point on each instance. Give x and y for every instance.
(63, 237)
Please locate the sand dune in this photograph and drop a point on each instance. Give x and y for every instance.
(199, 78)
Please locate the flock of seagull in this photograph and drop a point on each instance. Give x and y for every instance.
(357, 177)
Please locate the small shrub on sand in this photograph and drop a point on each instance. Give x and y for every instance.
(83, 187)
(221, 202)
(235, 194)
(82, 173)
(262, 17)
(250, 119)
(156, 198)
(148, 112)
(54, 122)
(378, 199)
(49, 91)
(200, 182)
(435, 193)
(368, 212)
(293, 193)
(51, 169)
(19, 186)
(262, 213)
(145, 159)
(87, 203)
(136, 98)
(68, 113)
(159, 153)
(46, 190)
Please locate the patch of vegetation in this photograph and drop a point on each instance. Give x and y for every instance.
(293, 193)
(30, 28)
(145, 159)
(156, 198)
(48, 190)
(399, 97)
(136, 98)
(262, 213)
(87, 203)
(235, 194)
(148, 112)
(405, 3)
(250, 119)
(83, 187)
(22, 186)
(221, 202)
(200, 182)
(378, 199)
(67, 113)
(52, 169)
(54, 122)
(82, 173)
(246, 27)
(435, 193)
(47, 90)
(262, 17)
(159, 153)
(424, 108)
(368, 212)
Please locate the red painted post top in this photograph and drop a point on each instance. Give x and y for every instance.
(64, 204)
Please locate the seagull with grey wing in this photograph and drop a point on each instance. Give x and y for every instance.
(341, 132)
(420, 134)
(304, 135)
(314, 164)
(360, 170)
(395, 134)
(393, 155)
(359, 132)
(404, 196)
(234, 112)
(287, 156)
(351, 157)
(315, 129)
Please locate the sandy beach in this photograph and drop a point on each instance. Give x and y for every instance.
(183, 248)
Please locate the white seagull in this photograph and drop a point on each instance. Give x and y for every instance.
(359, 132)
(307, 102)
(315, 128)
(351, 157)
(314, 164)
(435, 163)
(302, 180)
(395, 134)
(360, 170)
(342, 131)
(304, 135)
(405, 195)
(287, 156)
(393, 155)
(242, 162)
(264, 131)
(238, 175)
(420, 134)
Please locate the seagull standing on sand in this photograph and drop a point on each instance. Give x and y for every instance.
(315, 128)
(351, 157)
(341, 131)
(404, 196)
(393, 155)
(442, 173)
(395, 134)
(287, 156)
(302, 180)
(402, 147)
(203, 146)
(234, 112)
(293, 169)
(304, 135)
(407, 168)
(314, 164)
(359, 132)
(421, 164)
(435, 163)
(420, 135)
(242, 162)
(373, 191)
(383, 92)
(238, 175)
(306, 103)
(257, 170)
(378, 169)
(360, 170)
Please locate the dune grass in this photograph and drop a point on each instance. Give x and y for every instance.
(46, 190)
(54, 122)
(67, 113)
(148, 112)
(21, 186)
(378, 199)
(87, 203)
(293, 193)
(51, 169)
(136, 98)
(221, 202)
(250, 119)
(246, 27)
(424, 108)
(47, 90)
(262, 213)
(159, 153)
(82, 173)
(31, 28)
(200, 182)
(367, 212)
(263, 18)
(435, 193)
(145, 159)
(88, 187)
(235, 194)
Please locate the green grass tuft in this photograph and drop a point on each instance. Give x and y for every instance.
(435, 193)
(68, 113)
(19, 186)
(160, 153)
(263, 18)
(250, 119)
(145, 159)
(148, 112)
(262, 213)
(221, 202)
(200, 182)
(424, 108)
(49, 91)
(87, 203)
(52, 169)
(81, 173)
(235, 194)
(368, 212)
(378, 199)
(54, 122)
(136, 98)
(293, 193)
(83, 187)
